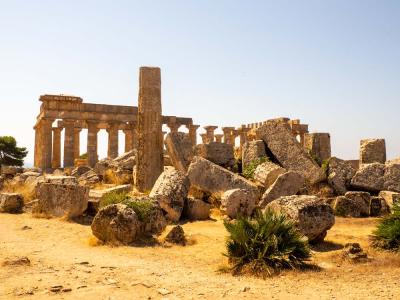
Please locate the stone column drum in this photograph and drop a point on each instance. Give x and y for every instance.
(45, 142)
(150, 162)
(112, 141)
(69, 145)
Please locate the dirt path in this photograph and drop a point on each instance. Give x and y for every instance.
(64, 254)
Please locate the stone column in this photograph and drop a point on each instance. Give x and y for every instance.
(227, 134)
(77, 142)
(56, 161)
(210, 132)
(112, 141)
(36, 162)
(204, 138)
(218, 138)
(69, 144)
(92, 143)
(128, 139)
(319, 145)
(173, 125)
(46, 144)
(193, 133)
(150, 160)
(243, 135)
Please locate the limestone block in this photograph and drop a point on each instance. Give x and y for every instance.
(319, 145)
(288, 151)
(311, 215)
(60, 179)
(171, 190)
(392, 177)
(369, 177)
(266, 173)
(354, 204)
(12, 203)
(340, 173)
(238, 202)
(390, 197)
(58, 199)
(196, 209)
(372, 151)
(219, 153)
(251, 151)
(209, 177)
(286, 184)
(180, 150)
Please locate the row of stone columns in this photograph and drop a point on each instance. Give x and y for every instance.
(48, 142)
(228, 137)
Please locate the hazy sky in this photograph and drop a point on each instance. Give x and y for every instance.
(333, 64)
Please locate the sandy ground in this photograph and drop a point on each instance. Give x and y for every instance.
(65, 254)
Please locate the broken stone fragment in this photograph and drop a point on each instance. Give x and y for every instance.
(311, 215)
(180, 150)
(369, 177)
(372, 151)
(170, 190)
(266, 173)
(340, 173)
(353, 204)
(252, 150)
(238, 202)
(196, 209)
(288, 151)
(12, 203)
(286, 184)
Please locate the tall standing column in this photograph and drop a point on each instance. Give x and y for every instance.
(193, 133)
(228, 134)
(112, 141)
(36, 154)
(77, 142)
(56, 161)
(92, 156)
(69, 143)
(150, 145)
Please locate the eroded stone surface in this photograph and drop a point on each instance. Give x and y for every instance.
(12, 203)
(238, 202)
(372, 151)
(252, 150)
(180, 150)
(340, 173)
(218, 153)
(266, 173)
(369, 177)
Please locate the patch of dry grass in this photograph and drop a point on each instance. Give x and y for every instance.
(112, 177)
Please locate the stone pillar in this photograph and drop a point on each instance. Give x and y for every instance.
(243, 135)
(173, 125)
(56, 161)
(150, 160)
(228, 134)
(210, 133)
(193, 133)
(92, 143)
(112, 141)
(36, 162)
(69, 143)
(128, 139)
(218, 138)
(45, 144)
(77, 142)
(318, 145)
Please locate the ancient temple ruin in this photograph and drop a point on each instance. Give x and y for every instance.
(142, 127)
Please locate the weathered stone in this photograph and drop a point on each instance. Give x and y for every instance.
(209, 177)
(354, 204)
(238, 202)
(176, 236)
(24, 176)
(89, 178)
(318, 145)
(218, 153)
(196, 209)
(71, 180)
(79, 171)
(311, 215)
(392, 177)
(372, 151)
(354, 253)
(340, 173)
(377, 207)
(266, 173)
(11, 203)
(58, 199)
(150, 140)
(390, 197)
(11, 170)
(171, 190)
(286, 184)
(369, 177)
(126, 161)
(288, 151)
(252, 150)
(95, 196)
(116, 223)
(180, 150)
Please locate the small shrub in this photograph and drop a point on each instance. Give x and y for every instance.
(114, 198)
(325, 165)
(266, 244)
(387, 234)
(248, 171)
(142, 208)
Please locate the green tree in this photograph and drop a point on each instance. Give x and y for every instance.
(10, 154)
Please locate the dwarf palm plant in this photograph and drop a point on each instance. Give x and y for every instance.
(387, 234)
(265, 244)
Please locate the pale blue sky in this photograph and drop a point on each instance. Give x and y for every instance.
(333, 64)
